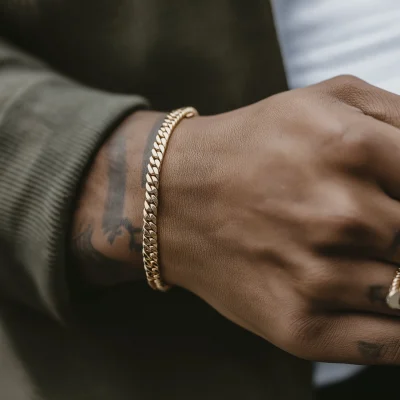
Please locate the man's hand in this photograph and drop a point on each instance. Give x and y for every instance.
(284, 216)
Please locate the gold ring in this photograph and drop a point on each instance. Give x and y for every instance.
(393, 298)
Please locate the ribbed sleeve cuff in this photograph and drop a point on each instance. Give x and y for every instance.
(49, 135)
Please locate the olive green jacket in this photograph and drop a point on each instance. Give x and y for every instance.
(70, 70)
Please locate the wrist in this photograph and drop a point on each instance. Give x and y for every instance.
(186, 196)
(201, 181)
(107, 223)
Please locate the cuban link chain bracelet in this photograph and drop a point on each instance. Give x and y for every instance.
(150, 238)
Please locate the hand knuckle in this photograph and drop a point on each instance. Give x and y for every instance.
(347, 221)
(321, 286)
(347, 81)
(350, 89)
(352, 148)
(353, 230)
(356, 144)
(374, 102)
(341, 222)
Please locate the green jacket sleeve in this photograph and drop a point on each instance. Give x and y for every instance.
(50, 128)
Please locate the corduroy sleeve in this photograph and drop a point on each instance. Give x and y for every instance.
(50, 128)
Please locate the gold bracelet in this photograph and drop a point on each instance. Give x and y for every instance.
(150, 239)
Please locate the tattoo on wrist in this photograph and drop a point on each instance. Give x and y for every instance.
(114, 223)
(105, 269)
(86, 250)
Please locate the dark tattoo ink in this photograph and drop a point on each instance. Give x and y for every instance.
(114, 207)
(149, 146)
(83, 243)
(135, 234)
(377, 294)
(105, 268)
(370, 351)
(114, 223)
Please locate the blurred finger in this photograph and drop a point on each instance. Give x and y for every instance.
(353, 338)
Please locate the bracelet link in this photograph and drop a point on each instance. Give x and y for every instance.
(150, 237)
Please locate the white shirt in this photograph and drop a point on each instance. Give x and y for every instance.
(324, 38)
(321, 39)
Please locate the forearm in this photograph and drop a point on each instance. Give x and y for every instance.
(50, 129)
(107, 227)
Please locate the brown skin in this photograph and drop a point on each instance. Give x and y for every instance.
(283, 215)
(107, 226)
